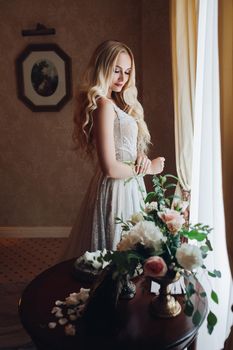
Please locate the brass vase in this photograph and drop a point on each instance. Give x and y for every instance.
(165, 305)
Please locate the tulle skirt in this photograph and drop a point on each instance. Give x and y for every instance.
(95, 226)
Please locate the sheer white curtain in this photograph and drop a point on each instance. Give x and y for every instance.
(226, 88)
(206, 193)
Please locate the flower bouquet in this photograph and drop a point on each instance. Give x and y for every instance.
(161, 242)
(157, 242)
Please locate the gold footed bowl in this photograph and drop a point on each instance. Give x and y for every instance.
(165, 305)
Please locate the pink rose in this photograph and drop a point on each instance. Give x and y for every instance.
(173, 219)
(155, 267)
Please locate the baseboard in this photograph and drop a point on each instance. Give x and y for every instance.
(34, 231)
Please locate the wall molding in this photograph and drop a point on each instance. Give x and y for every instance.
(34, 231)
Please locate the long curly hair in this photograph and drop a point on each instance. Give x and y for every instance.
(95, 84)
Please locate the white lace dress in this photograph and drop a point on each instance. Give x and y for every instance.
(108, 198)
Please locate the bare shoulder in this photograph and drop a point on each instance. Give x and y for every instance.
(104, 107)
(103, 102)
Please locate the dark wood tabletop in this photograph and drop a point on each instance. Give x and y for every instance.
(135, 327)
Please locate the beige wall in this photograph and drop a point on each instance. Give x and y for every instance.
(42, 181)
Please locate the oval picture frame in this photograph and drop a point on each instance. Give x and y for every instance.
(43, 77)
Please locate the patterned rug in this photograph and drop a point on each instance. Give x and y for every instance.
(21, 260)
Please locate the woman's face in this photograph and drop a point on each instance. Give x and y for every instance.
(121, 72)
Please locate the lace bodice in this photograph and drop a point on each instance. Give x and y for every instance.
(125, 136)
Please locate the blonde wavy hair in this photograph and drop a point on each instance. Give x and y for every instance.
(95, 84)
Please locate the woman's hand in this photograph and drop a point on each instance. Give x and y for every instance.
(142, 164)
(156, 166)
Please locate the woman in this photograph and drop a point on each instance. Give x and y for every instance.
(109, 122)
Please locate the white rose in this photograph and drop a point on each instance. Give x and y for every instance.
(151, 207)
(189, 256)
(136, 217)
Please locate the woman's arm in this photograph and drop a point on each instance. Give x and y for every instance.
(104, 117)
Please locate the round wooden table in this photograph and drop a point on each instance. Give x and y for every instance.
(136, 329)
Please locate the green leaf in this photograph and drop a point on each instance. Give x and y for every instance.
(211, 318)
(117, 219)
(163, 180)
(188, 309)
(149, 197)
(217, 273)
(214, 296)
(194, 234)
(204, 255)
(210, 328)
(172, 176)
(211, 274)
(170, 186)
(196, 318)
(209, 244)
(211, 321)
(204, 248)
(190, 290)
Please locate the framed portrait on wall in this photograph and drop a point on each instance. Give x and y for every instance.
(44, 77)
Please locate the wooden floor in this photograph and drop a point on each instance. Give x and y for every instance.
(21, 260)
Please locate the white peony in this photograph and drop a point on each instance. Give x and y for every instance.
(129, 240)
(189, 256)
(145, 233)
